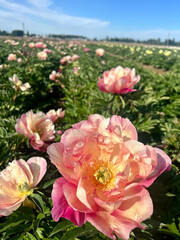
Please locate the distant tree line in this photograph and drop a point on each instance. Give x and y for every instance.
(20, 33)
(170, 42)
(64, 36)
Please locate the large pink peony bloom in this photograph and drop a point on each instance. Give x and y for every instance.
(118, 80)
(38, 127)
(105, 172)
(17, 182)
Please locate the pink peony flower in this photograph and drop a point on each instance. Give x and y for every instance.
(31, 45)
(47, 51)
(1, 66)
(17, 182)
(18, 85)
(118, 80)
(76, 70)
(54, 75)
(86, 49)
(54, 115)
(13, 43)
(65, 59)
(38, 128)
(99, 52)
(75, 57)
(42, 55)
(39, 45)
(105, 172)
(19, 60)
(44, 46)
(12, 57)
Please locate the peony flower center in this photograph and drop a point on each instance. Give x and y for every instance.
(103, 175)
(23, 188)
(40, 132)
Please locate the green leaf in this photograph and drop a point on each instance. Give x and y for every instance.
(37, 199)
(61, 226)
(40, 216)
(30, 236)
(75, 232)
(7, 225)
(49, 183)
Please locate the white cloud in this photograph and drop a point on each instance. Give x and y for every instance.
(40, 3)
(51, 18)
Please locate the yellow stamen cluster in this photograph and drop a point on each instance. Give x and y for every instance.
(103, 175)
(24, 189)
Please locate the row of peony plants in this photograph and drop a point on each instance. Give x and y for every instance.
(105, 169)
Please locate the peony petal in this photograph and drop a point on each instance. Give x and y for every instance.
(135, 147)
(69, 191)
(38, 166)
(136, 206)
(126, 128)
(83, 195)
(55, 152)
(61, 208)
(163, 164)
(6, 211)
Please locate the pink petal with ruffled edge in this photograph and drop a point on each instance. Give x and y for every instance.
(38, 166)
(163, 164)
(122, 127)
(127, 217)
(61, 208)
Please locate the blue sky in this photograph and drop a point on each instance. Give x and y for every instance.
(139, 19)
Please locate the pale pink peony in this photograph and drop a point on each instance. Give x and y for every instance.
(44, 46)
(12, 57)
(105, 172)
(13, 43)
(46, 50)
(39, 45)
(86, 49)
(54, 115)
(1, 66)
(118, 80)
(19, 60)
(99, 52)
(66, 59)
(31, 45)
(42, 55)
(75, 57)
(38, 128)
(18, 85)
(17, 182)
(54, 75)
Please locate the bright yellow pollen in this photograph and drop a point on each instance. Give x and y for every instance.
(103, 175)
